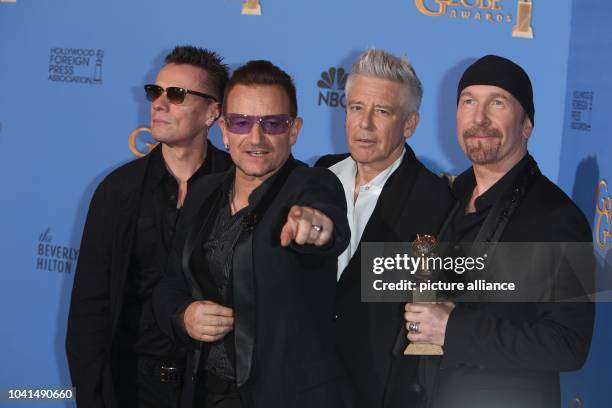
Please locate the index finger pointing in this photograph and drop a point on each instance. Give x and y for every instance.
(295, 212)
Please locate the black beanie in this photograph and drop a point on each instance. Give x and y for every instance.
(501, 72)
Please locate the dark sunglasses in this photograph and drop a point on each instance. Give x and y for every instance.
(270, 124)
(174, 94)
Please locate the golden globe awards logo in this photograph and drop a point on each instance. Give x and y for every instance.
(140, 141)
(603, 216)
(522, 28)
(491, 11)
(251, 8)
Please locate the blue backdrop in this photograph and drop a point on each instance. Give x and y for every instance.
(71, 109)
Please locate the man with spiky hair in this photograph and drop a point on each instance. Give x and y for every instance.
(390, 197)
(117, 354)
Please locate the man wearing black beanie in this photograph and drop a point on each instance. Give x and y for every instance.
(498, 353)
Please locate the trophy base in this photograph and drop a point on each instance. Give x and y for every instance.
(522, 33)
(423, 349)
(250, 10)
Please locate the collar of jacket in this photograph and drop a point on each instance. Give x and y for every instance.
(503, 208)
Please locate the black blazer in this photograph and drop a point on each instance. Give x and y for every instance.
(98, 290)
(510, 354)
(370, 336)
(283, 297)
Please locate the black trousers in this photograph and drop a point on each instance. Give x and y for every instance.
(222, 401)
(216, 392)
(145, 382)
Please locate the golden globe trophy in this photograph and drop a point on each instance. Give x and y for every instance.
(522, 28)
(251, 7)
(423, 247)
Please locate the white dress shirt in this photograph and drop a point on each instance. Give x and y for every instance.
(359, 211)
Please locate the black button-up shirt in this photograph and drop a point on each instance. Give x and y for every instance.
(215, 259)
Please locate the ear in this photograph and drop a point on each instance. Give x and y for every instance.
(295, 130)
(527, 128)
(410, 124)
(224, 131)
(213, 113)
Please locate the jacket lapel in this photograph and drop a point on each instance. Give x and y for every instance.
(243, 276)
(201, 224)
(126, 228)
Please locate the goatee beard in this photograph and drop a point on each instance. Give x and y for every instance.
(480, 151)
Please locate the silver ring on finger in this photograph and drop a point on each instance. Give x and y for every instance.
(414, 327)
(317, 227)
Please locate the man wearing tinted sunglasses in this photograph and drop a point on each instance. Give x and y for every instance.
(251, 285)
(118, 356)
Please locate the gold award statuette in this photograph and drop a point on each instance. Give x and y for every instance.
(251, 7)
(423, 247)
(523, 29)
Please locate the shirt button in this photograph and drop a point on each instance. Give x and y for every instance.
(415, 388)
(172, 197)
(367, 188)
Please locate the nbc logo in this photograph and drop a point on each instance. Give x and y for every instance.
(331, 87)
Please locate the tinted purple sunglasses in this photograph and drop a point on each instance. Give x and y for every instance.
(270, 124)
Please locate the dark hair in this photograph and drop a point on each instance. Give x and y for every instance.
(209, 61)
(261, 72)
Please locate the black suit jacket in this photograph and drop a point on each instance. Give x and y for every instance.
(510, 354)
(370, 336)
(98, 290)
(283, 297)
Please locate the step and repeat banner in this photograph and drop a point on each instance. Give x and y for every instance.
(72, 108)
